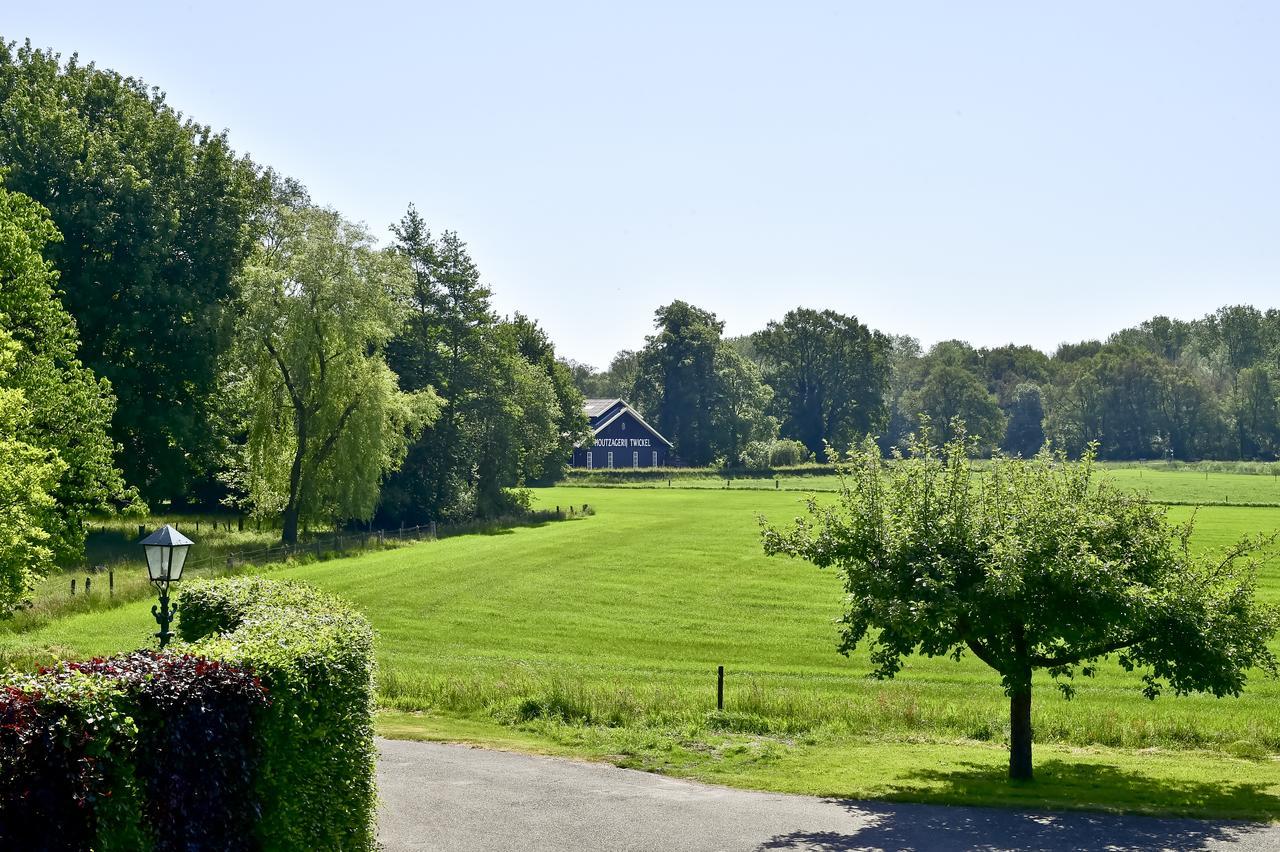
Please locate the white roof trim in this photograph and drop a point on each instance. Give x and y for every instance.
(625, 409)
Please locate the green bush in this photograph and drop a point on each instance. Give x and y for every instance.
(315, 656)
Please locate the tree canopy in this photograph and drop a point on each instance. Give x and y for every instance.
(66, 410)
(1029, 564)
(28, 476)
(697, 389)
(327, 418)
(829, 374)
(156, 214)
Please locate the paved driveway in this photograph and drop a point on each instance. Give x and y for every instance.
(457, 798)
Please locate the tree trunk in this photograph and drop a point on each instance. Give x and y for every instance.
(1020, 732)
(289, 535)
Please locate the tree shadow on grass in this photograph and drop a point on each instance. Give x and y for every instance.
(1039, 822)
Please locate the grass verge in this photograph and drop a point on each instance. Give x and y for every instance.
(1153, 782)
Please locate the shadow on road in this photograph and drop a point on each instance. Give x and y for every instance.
(897, 827)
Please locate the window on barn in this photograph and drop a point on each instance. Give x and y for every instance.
(588, 459)
(635, 458)
(611, 459)
(655, 458)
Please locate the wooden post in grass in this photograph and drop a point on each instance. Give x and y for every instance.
(73, 587)
(86, 585)
(142, 530)
(719, 687)
(111, 582)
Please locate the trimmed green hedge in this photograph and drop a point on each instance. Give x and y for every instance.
(256, 733)
(315, 656)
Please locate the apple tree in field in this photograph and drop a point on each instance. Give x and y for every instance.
(1029, 564)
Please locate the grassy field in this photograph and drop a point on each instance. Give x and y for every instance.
(599, 637)
(1163, 484)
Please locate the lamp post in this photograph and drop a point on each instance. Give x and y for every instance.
(166, 550)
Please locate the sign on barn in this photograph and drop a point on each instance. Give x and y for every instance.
(620, 438)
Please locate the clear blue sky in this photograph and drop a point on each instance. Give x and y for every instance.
(1024, 172)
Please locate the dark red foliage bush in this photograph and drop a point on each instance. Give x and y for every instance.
(49, 777)
(172, 734)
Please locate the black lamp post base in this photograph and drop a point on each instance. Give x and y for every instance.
(164, 617)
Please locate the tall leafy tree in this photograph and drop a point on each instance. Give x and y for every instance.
(156, 213)
(1030, 565)
(1236, 337)
(327, 417)
(445, 344)
(830, 376)
(67, 410)
(28, 477)
(951, 392)
(514, 426)
(741, 404)
(1024, 435)
(696, 389)
(569, 425)
(676, 381)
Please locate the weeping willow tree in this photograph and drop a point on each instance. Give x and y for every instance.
(326, 418)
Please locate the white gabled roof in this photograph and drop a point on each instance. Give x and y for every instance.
(626, 409)
(593, 408)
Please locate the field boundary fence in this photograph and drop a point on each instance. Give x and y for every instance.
(340, 543)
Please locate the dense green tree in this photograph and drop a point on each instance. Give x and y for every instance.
(1005, 368)
(1190, 415)
(676, 382)
(67, 409)
(156, 214)
(906, 365)
(741, 402)
(28, 476)
(1030, 565)
(695, 388)
(1234, 338)
(830, 375)
(569, 422)
(619, 381)
(514, 427)
(446, 345)
(1256, 413)
(327, 419)
(950, 392)
(511, 412)
(1024, 435)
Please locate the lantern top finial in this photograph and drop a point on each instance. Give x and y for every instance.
(166, 536)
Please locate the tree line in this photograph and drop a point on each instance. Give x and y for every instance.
(1165, 389)
(180, 325)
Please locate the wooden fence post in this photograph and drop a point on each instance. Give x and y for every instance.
(720, 687)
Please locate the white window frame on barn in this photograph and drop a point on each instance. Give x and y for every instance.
(635, 458)
(655, 459)
(588, 460)
(611, 460)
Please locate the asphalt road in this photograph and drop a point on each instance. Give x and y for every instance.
(457, 798)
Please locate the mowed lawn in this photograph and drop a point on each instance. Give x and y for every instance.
(600, 637)
(1160, 483)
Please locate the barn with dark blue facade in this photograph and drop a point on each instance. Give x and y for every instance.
(621, 438)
